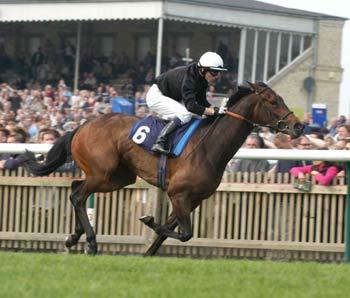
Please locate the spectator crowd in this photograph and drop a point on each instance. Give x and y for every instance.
(37, 106)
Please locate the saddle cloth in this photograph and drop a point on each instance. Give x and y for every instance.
(146, 130)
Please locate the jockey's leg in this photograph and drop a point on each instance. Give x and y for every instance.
(168, 109)
(164, 135)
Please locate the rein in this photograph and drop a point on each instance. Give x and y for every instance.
(240, 117)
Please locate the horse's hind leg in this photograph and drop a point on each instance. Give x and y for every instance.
(80, 193)
(73, 239)
(82, 189)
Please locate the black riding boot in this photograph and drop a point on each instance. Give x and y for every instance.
(163, 137)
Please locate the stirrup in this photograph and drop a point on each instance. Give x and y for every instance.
(160, 149)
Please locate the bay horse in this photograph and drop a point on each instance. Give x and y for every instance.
(111, 160)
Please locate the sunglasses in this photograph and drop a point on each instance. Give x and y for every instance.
(214, 72)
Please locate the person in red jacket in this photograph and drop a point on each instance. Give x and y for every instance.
(323, 171)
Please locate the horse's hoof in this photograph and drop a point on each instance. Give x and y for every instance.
(70, 241)
(147, 219)
(91, 249)
(148, 254)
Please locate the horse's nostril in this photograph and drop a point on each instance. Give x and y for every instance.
(299, 127)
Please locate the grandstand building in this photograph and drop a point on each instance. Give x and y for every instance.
(296, 52)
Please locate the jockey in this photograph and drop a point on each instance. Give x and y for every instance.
(180, 93)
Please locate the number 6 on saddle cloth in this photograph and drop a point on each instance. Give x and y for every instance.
(145, 132)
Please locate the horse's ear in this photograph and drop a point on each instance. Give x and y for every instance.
(253, 86)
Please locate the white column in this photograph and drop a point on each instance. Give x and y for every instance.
(278, 53)
(159, 46)
(77, 57)
(266, 60)
(255, 54)
(301, 48)
(242, 45)
(290, 46)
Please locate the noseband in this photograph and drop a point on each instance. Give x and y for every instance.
(280, 125)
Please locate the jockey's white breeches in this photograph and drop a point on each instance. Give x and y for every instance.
(166, 107)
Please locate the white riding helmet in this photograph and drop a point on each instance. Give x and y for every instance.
(212, 61)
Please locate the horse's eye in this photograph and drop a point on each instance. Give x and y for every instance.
(274, 103)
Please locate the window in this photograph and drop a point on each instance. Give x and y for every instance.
(272, 54)
(249, 52)
(260, 59)
(182, 43)
(307, 42)
(296, 46)
(143, 47)
(284, 50)
(34, 44)
(106, 46)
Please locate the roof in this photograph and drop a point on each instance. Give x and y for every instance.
(238, 4)
(56, 10)
(253, 5)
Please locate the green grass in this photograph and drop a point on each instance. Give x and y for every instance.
(58, 275)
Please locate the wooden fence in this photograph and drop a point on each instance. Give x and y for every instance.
(250, 216)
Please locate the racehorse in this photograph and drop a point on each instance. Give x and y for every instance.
(111, 160)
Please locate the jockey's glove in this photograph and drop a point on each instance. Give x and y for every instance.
(219, 111)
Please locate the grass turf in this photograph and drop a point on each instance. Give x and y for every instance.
(58, 275)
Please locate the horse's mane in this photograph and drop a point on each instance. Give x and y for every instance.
(241, 92)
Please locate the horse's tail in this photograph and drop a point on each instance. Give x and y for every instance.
(56, 157)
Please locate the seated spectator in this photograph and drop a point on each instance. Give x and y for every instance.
(342, 135)
(4, 133)
(329, 140)
(341, 120)
(253, 141)
(323, 171)
(307, 121)
(12, 161)
(283, 141)
(141, 112)
(139, 100)
(90, 82)
(316, 139)
(333, 126)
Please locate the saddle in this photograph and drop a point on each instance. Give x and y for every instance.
(146, 130)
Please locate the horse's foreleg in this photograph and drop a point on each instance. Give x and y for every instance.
(171, 224)
(182, 211)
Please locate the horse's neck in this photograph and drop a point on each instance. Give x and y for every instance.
(227, 137)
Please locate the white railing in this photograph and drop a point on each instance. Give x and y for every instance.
(270, 154)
